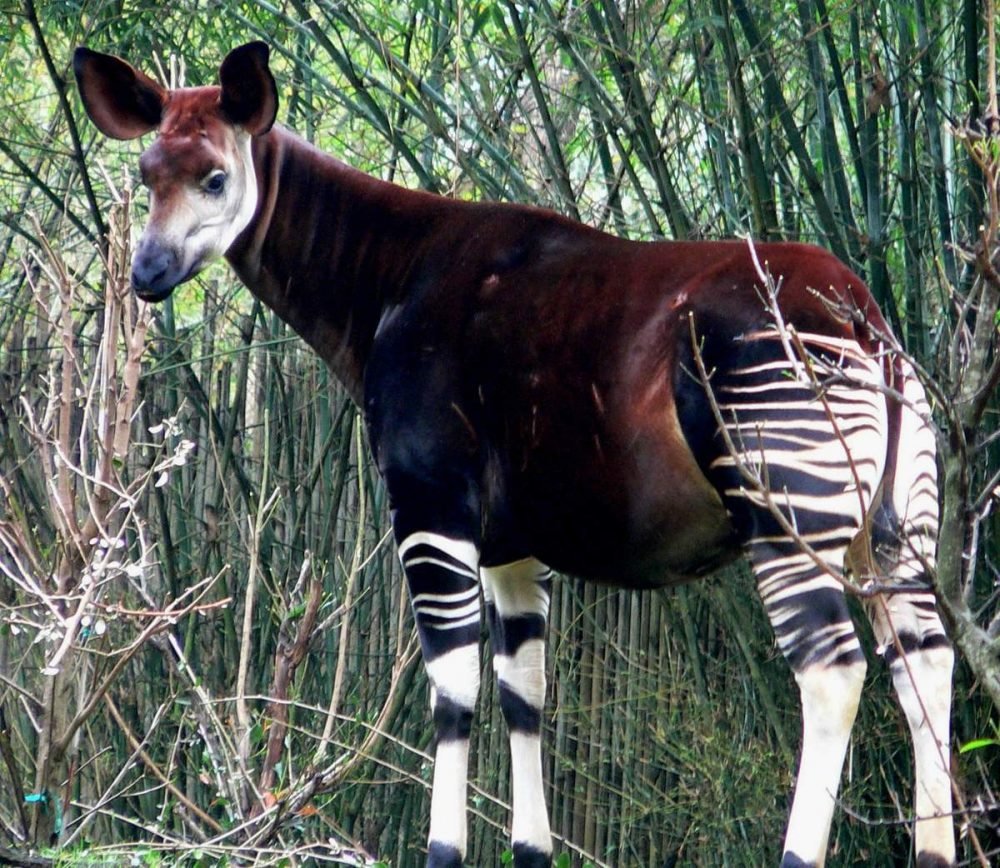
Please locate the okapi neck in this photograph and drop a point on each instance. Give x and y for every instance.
(329, 248)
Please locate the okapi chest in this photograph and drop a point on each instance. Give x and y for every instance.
(540, 395)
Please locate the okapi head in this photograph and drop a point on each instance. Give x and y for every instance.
(199, 171)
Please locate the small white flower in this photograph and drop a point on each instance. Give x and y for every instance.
(180, 457)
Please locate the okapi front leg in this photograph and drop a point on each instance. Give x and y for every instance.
(444, 589)
(517, 606)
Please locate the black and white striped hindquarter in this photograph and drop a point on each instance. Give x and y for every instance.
(906, 624)
(517, 608)
(813, 435)
(443, 577)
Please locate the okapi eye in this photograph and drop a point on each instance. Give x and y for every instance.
(215, 183)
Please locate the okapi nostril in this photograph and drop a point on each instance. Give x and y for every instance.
(142, 278)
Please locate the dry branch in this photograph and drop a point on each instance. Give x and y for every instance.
(290, 653)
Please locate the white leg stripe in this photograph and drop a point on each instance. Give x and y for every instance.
(448, 796)
(446, 598)
(459, 613)
(454, 625)
(931, 671)
(524, 673)
(462, 571)
(515, 588)
(829, 704)
(455, 674)
(461, 550)
(530, 821)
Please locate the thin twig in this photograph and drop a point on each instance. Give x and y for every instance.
(156, 770)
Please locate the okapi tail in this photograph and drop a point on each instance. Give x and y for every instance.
(904, 516)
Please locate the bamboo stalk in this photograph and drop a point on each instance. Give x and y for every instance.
(554, 155)
(925, 53)
(265, 504)
(766, 65)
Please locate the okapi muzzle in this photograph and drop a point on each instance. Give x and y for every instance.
(156, 269)
(541, 396)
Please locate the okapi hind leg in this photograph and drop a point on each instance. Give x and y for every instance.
(443, 576)
(517, 607)
(797, 467)
(910, 635)
(907, 626)
(812, 624)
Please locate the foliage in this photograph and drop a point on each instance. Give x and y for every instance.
(215, 509)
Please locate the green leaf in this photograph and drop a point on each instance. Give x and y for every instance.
(978, 743)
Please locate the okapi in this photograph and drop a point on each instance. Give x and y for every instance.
(540, 396)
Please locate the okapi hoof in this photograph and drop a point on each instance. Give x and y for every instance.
(443, 856)
(933, 860)
(526, 856)
(791, 860)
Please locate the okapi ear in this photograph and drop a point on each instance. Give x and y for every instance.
(122, 102)
(249, 94)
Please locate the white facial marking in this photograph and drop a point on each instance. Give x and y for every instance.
(199, 223)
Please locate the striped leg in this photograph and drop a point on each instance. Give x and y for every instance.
(798, 445)
(443, 575)
(922, 678)
(922, 673)
(517, 606)
(813, 627)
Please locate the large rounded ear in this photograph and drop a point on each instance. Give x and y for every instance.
(249, 94)
(122, 102)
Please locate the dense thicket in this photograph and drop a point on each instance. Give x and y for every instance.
(224, 459)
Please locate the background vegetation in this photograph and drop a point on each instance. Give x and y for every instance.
(200, 614)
